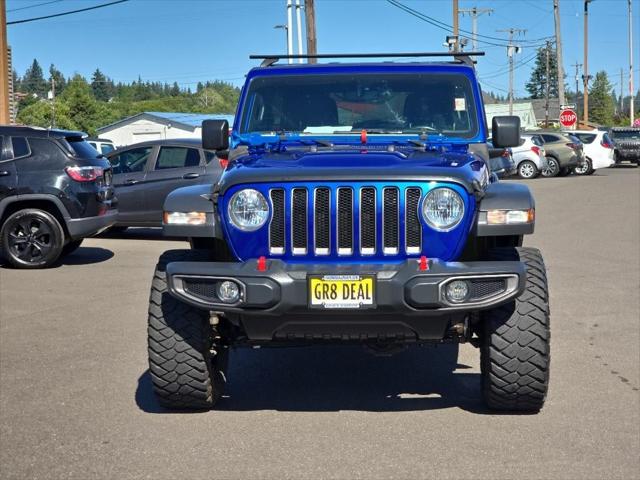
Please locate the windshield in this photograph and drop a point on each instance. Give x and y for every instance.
(346, 103)
(626, 135)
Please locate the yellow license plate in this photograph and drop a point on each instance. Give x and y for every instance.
(342, 291)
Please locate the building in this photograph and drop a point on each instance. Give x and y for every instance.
(157, 126)
(523, 110)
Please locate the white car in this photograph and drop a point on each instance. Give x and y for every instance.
(598, 150)
(102, 145)
(530, 156)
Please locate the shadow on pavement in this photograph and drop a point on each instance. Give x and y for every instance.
(334, 378)
(87, 256)
(137, 233)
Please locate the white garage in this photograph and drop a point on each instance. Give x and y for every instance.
(157, 126)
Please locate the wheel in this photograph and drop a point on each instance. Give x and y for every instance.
(585, 168)
(71, 247)
(32, 238)
(527, 169)
(187, 367)
(514, 351)
(552, 169)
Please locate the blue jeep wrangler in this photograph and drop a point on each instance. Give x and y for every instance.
(357, 206)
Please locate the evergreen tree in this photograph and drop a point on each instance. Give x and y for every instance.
(83, 108)
(33, 80)
(601, 105)
(175, 90)
(58, 79)
(100, 86)
(537, 84)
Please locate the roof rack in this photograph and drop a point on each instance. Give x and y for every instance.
(464, 57)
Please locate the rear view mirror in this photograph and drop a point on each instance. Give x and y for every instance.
(215, 135)
(505, 131)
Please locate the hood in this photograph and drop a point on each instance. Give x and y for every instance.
(463, 168)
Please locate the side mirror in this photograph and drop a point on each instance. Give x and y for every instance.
(505, 131)
(215, 135)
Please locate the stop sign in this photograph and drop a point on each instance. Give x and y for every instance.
(568, 118)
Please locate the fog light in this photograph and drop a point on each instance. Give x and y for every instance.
(228, 291)
(457, 291)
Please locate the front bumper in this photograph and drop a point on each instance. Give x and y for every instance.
(400, 288)
(627, 155)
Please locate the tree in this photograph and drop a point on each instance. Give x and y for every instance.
(41, 114)
(58, 79)
(175, 90)
(101, 86)
(83, 108)
(33, 80)
(601, 105)
(537, 84)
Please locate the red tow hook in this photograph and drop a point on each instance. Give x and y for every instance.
(423, 264)
(262, 264)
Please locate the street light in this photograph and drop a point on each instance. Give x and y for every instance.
(285, 28)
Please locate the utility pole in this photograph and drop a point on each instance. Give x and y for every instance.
(546, 90)
(621, 90)
(299, 30)
(556, 13)
(4, 67)
(53, 102)
(631, 92)
(456, 30)
(511, 51)
(289, 30)
(577, 65)
(475, 13)
(585, 74)
(310, 21)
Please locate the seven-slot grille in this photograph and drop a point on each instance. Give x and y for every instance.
(345, 221)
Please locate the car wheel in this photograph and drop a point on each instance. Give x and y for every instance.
(187, 365)
(32, 238)
(584, 169)
(552, 169)
(515, 350)
(71, 247)
(527, 169)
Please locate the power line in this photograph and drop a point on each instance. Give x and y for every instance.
(33, 6)
(66, 13)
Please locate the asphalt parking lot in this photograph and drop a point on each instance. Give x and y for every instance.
(75, 394)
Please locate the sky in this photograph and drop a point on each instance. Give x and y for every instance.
(197, 40)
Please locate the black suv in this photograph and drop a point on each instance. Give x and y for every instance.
(55, 189)
(626, 141)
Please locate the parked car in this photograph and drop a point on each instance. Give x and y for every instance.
(342, 219)
(501, 161)
(145, 173)
(626, 141)
(562, 154)
(55, 190)
(598, 151)
(529, 157)
(102, 145)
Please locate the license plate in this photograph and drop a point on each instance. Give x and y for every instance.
(342, 291)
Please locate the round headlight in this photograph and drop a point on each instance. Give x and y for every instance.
(443, 208)
(248, 210)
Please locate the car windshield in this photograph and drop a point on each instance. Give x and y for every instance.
(626, 135)
(346, 103)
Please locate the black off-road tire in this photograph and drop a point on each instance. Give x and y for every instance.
(50, 240)
(514, 352)
(71, 247)
(187, 370)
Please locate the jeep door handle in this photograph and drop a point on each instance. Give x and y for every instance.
(131, 181)
(188, 176)
(4, 173)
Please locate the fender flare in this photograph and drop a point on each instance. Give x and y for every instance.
(504, 196)
(5, 202)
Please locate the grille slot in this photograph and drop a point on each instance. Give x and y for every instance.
(299, 221)
(390, 214)
(276, 227)
(201, 288)
(322, 221)
(368, 221)
(413, 230)
(345, 221)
